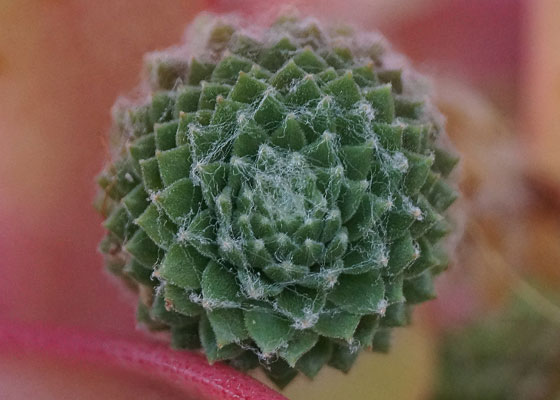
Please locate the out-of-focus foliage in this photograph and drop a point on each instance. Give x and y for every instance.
(513, 354)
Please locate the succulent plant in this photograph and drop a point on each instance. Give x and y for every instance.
(278, 196)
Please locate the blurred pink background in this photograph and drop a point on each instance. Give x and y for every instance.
(62, 65)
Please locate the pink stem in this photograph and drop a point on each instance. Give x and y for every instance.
(190, 371)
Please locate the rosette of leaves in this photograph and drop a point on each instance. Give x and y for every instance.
(513, 354)
(278, 198)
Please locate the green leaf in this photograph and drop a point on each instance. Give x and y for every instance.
(286, 271)
(401, 254)
(343, 357)
(357, 160)
(381, 99)
(143, 317)
(419, 289)
(369, 211)
(394, 289)
(441, 228)
(120, 223)
(382, 340)
(364, 76)
(180, 200)
(327, 75)
(301, 306)
(270, 112)
(166, 72)
(287, 76)
(269, 331)
(162, 107)
(418, 169)
(273, 57)
(213, 179)
(255, 286)
(301, 343)
(359, 294)
(305, 92)
(344, 90)
(403, 214)
(150, 174)
(309, 61)
(310, 229)
(227, 325)
(210, 92)
(139, 272)
(351, 195)
(201, 234)
(390, 136)
(289, 135)
(323, 118)
(337, 247)
(178, 299)
(144, 249)
(249, 139)
(229, 249)
(247, 89)
(226, 112)
(140, 120)
(406, 108)
(444, 162)
(262, 226)
(280, 245)
(136, 201)
(309, 252)
(199, 71)
(185, 336)
(280, 373)
(157, 225)
(257, 255)
(160, 312)
(165, 135)
(245, 46)
(442, 195)
(395, 315)
(174, 164)
(260, 73)
(219, 286)
(224, 206)
(312, 361)
(333, 59)
(229, 67)
(143, 147)
(426, 261)
(324, 151)
(430, 217)
(220, 35)
(337, 324)
(413, 137)
(366, 330)
(392, 76)
(187, 100)
(183, 266)
(211, 350)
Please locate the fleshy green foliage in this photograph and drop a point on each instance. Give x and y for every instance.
(282, 198)
(507, 356)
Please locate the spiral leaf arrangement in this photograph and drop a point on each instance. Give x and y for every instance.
(278, 198)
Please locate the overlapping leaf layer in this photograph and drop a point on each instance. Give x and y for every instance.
(279, 202)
